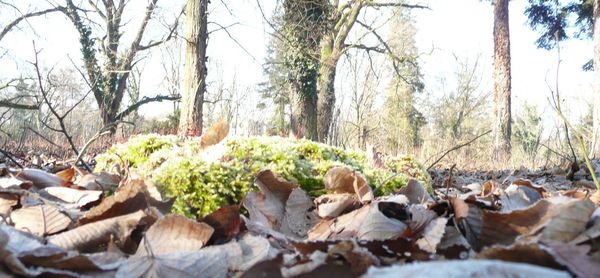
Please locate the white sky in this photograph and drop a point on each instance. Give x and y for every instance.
(459, 27)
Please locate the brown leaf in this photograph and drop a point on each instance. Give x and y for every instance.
(527, 183)
(471, 268)
(460, 208)
(530, 253)
(268, 206)
(332, 205)
(74, 197)
(420, 217)
(94, 236)
(576, 258)
(214, 134)
(54, 257)
(377, 226)
(131, 197)
(343, 179)
(503, 228)
(225, 221)
(67, 174)
(40, 220)
(98, 181)
(7, 202)
(518, 197)
(41, 179)
(205, 262)
(299, 215)
(415, 192)
(14, 183)
(174, 233)
(432, 235)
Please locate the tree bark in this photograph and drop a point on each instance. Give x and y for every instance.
(326, 95)
(502, 81)
(194, 79)
(595, 148)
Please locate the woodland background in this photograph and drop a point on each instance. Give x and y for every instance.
(348, 73)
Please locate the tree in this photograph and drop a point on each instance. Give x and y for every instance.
(557, 21)
(502, 79)
(402, 119)
(301, 31)
(194, 78)
(343, 17)
(108, 80)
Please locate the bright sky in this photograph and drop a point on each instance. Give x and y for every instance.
(460, 27)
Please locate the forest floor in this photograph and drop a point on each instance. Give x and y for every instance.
(60, 220)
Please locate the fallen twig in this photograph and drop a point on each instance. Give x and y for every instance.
(456, 148)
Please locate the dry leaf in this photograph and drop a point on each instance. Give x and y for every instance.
(377, 226)
(471, 268)
(7, 202)
(67, 174)
(41, 179)
(518, 197)
(40, 220)
(131, 197)
(212, 263)
(225, 221)
(432, 235)
(96, 235)
(54, 257)
(14, 183)
(214, 134)
(299, 215)
(415, 192)
(530, 253)
(332, 205)
(343, 179)
(174, 233)
(268, 206)
(576, 258)
(74, 197)
(98, 181)
(570, 222)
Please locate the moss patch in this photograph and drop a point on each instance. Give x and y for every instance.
(200, 187)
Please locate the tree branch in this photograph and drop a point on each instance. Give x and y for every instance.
(14, 23)
(144, 100)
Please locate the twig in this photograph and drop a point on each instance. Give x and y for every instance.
(9, 156)
(105, 130)
(456, 148)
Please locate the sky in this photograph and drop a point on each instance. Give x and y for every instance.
(461, 28)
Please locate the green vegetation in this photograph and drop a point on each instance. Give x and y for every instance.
(200, 185)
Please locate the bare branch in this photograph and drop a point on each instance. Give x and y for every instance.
(143, 101)
(14, 23)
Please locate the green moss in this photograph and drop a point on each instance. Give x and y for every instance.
(200, 187)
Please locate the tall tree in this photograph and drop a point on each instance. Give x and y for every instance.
(402, 119)
(108, 77)
(194, 77)
(301, 31)
(502, 81)
(595, 150)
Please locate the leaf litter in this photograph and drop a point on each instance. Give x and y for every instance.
(519, 224)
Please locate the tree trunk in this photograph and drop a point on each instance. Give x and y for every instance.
(595, 148)
(502, 79)
(194, 81)
(325, 87)
(303, 101)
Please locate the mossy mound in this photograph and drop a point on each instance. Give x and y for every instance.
(200, 184)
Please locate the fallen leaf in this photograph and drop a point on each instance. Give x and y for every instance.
(575, 257)
(343, 179)
(517, 197)
(94, 236)
(67, 174)
(225, 221)
(268, 206)
(432, 235)
(299, 216)
(569, 223)
(11, 182)
(54, 257)
(40, 220)
(41, 179)
(7, 202)
(214, 134)
(333, 205)
(131, 197)
(174, 233)
(471, 268)
(528, 253)
(98, 181)
(74, 197)
(377, 226)
(415, 192)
